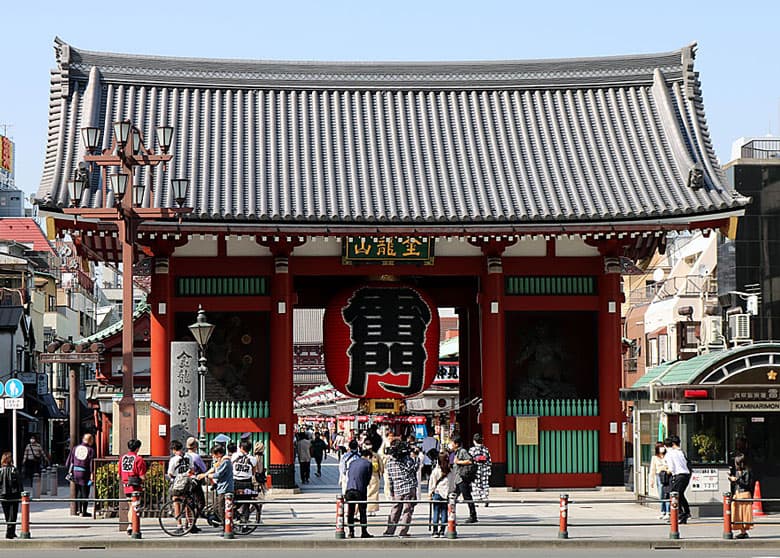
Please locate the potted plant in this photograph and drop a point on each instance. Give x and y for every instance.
(707, 446)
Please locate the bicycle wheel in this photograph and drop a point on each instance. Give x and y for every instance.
(211, 516)
(177, 524)
(246, 517)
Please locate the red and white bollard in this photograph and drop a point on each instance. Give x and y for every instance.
(228, 533)
(674, 525)
(25, 534)
(340, 517)
(563, 529)
(728, 528)
(135, 515)
(452, 532)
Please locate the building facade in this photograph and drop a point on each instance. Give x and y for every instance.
(513, 192)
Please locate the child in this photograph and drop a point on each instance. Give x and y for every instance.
(221, 474)
(440, 484)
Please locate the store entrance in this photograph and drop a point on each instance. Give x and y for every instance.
(755, 436)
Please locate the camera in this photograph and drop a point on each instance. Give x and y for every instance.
(399, 450)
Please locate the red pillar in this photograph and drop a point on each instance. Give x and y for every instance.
(162, 334)
(491, 306)
(282, 467)
(610, 409)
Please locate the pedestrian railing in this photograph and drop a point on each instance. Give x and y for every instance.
(563, 524)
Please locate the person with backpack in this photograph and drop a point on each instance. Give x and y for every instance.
(480, 455)
(10, 492)
(465, 473)
(440, 484)
(33, 459)
(180, 472)
(132, 471)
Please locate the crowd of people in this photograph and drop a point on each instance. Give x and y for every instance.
(407, 470)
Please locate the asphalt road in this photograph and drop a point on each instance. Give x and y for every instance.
(465, 553)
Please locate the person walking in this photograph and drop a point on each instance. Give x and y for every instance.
(402, 474)
(358, 479)
(33, 459)
(480, 456)
(304, 457)
(377, 470)
(318, 450)
(440, 484)
(742, 483)
(132, 472)
(659, 471)
(80, 467)
(340, 444)
(260, 479)
(10, 492)
(464, 475)
(681, 475)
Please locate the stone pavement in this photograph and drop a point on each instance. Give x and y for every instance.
(307, 519)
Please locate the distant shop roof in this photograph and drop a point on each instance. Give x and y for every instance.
(590, 140)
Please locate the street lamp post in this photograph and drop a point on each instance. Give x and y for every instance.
(126, 153)
(201, 330)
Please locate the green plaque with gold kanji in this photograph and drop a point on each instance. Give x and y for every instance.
(388, 250)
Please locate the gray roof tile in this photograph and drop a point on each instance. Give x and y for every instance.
(593, 140)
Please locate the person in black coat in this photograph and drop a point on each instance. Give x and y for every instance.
(358, 478)
(10, 492)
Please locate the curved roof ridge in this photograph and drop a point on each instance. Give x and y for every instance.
(606, 70)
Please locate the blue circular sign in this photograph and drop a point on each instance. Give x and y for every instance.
(14, 388)
(2, 388)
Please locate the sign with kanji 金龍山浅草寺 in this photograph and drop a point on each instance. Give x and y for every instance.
(395, 249)
(184, 389)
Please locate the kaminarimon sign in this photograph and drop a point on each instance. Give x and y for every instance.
(381, 341)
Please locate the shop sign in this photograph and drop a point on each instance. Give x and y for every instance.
(381, 341)
(184, 389)
(527, 431)
(755, 406)
(390, 249)
(704, 480)
(755, 395)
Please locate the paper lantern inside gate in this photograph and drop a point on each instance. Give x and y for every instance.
(381, 341)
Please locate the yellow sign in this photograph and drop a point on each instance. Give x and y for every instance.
(527, 431)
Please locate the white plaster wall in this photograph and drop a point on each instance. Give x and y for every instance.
(574, 247)
(318, 246)
(527, 247)
(245, 246)
(198, 247)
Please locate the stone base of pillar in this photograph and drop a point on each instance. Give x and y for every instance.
(498, 474)
(282, 476)
(611, 473)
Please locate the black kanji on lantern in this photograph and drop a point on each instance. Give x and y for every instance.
(388, 328)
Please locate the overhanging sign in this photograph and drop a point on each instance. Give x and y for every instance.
(74, 358)
(388, 249)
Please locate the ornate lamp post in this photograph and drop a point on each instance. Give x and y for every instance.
(201, 330)
(126, 152)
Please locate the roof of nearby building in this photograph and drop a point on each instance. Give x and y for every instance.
(10, 317)
(684, 372)
(510, 142)
(25, 230)
(141, 308)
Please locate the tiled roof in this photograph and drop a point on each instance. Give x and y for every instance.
(140, 309)
(24, 230)
(586, 140)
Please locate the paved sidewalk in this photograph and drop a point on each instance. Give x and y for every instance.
(596, 518)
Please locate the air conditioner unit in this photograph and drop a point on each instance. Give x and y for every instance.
(739, 328)
(673, 407)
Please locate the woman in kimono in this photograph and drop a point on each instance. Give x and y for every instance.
(480, 456)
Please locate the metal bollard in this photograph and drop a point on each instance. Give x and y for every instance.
(55, 482)
(727, 527)
(340, 517)
(674, 526)
(45, 481)
(228, 534)
(135, 515)
(452, 532)
(25, 534)
(563, 530)
(36, 485)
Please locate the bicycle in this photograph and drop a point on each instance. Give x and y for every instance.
(177, 517)
(247, 512)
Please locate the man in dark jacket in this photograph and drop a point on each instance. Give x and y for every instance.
(10, 492)
(358, 478)
(317, 450)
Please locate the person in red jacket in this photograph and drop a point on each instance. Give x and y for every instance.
(132, 471)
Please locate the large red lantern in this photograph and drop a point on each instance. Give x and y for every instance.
(381, 341)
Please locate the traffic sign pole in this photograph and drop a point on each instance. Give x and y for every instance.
(16, 445)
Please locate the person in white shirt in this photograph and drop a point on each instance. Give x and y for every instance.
(681, 475)
(440, 484)
(244, 465)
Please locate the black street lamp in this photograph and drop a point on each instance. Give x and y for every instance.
(201, 330)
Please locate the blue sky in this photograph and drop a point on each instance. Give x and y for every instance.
(739, 55)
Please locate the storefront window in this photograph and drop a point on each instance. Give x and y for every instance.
(705, 437)
(648, 434)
